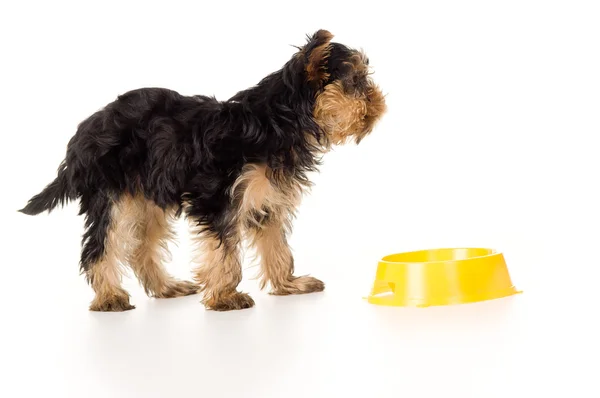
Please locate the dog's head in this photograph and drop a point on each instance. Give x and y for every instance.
(348, 103)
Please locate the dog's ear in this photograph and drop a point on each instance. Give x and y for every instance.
(316, 53)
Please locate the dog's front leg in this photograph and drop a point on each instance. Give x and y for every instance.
(277, 262)
(219, 270)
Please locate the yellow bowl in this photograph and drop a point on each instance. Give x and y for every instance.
(441, 277)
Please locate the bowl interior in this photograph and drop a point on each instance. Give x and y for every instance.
(435, 255)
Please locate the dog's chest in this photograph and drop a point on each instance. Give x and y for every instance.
(258, 197)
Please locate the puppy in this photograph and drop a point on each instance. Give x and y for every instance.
(235, 169)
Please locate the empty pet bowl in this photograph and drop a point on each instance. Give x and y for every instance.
(441, 277)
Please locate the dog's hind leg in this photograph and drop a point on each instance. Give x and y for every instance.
(154, 232)
(102, 255)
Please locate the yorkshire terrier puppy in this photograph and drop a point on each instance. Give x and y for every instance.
(235, 169)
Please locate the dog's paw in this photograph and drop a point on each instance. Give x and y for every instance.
(299, 285)
(177, 288)
(235, 301)
(111, 304)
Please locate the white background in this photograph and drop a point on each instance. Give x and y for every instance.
(490, 140)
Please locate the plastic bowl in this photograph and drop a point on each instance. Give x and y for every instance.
(441, 277)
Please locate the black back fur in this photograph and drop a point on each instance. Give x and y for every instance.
(170, 147)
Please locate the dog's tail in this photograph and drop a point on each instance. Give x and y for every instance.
(58, 192)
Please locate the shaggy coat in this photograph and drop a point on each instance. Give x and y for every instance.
(236, 169)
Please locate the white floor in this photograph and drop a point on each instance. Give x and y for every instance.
(322, 345)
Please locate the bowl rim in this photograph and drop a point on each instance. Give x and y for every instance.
(494, 252)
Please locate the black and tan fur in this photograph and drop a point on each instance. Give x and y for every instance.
(236, 169)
